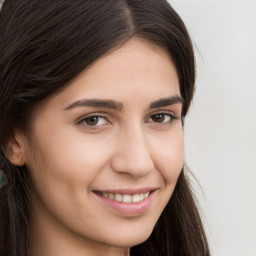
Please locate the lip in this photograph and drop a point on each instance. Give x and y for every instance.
(129, 191)
(128, 209)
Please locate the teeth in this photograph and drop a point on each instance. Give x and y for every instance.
(118, 197)
(126, 198)
(146, 195)
(111, 196)
(105, 194)
(136, 198)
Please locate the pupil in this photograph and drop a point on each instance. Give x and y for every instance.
(158, 118)
(92, 120)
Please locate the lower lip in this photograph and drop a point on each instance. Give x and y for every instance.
(129, 209)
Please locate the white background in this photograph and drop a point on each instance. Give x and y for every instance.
(221, 125)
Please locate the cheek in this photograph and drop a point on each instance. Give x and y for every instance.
(67, 160)
(169, 156)
(62, 169)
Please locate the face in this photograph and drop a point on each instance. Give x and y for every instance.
(105, 152)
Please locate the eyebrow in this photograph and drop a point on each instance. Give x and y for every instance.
(117, 105)
(163, 102)
(111, 104)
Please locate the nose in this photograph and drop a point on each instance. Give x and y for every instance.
(132, 155)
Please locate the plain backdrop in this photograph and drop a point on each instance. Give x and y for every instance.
(220, 128)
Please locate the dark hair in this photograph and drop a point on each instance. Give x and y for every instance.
(46, 44)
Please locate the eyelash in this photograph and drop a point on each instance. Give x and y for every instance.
(100, 116)
(165, 114)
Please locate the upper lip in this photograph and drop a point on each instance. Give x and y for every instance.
(130, 191)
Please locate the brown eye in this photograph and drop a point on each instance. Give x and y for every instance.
(162, 118)
(95, 120)
(92, 120)
(159, 118)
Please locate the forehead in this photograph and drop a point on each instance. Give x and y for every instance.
(135, 71)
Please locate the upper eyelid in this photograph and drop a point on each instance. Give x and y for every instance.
(101, 114)
(167, 112)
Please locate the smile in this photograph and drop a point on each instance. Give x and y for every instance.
(126, 198)
(128, 202)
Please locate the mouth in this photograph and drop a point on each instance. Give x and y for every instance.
(125, 198)
(127, 202)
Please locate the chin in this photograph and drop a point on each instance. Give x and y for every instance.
(128, 241)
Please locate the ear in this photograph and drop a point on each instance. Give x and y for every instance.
(14, 150)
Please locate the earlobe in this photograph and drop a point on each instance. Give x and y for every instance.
(14, 153)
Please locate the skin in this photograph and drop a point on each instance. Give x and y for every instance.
(130, 148)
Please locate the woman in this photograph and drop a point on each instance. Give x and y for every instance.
(93, 97)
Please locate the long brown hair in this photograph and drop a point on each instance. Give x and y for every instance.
(46, 44)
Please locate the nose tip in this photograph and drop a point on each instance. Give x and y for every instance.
(133, 158)
(136, 167)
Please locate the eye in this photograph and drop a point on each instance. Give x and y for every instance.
(162, 118)
(94, 121)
